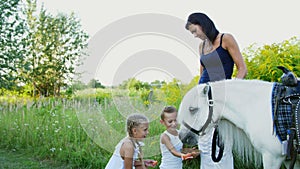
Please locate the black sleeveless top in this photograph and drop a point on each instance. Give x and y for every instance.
(217, 65)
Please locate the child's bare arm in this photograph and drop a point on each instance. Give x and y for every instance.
(127, 151)
(166, 140)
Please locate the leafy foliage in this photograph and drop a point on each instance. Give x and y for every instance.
(56, 45)
(103, 97)
(12, 29)
(38, 49)
(95, 84)
(262, 62)
(172, 93)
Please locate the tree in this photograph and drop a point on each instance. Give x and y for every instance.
(134, 84)
(55, 47)
(262, 62)
(93, 83)
(78, 85)
(12, 29)
(157, 84)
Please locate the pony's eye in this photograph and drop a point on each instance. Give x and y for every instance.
(193, 110)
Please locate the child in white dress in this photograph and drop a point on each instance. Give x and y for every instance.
(170, 144)
(128, 153)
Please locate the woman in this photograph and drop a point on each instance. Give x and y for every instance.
(219, 52)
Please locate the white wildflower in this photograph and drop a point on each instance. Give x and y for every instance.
(52, 149)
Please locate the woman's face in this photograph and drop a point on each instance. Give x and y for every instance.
(197, 31)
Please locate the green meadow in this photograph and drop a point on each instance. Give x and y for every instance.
(79, 132)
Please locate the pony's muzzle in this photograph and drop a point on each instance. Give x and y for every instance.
(188, 138)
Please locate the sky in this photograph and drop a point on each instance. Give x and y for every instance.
(147, 39)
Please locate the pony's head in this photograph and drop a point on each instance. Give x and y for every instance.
(194, 113)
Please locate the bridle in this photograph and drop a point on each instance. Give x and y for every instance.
(201, 131)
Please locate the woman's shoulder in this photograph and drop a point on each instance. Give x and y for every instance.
(228, 40)
(227, 36)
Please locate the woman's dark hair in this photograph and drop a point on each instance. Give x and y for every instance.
(206, 24)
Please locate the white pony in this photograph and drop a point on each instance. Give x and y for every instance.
(242, 110)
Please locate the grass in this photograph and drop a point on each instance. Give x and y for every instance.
(80, 133)
(49, 130)
(18, 160)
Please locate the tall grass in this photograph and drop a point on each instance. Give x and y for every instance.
(50, 130)
(80, 132)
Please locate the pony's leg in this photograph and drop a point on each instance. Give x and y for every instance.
(271, 162)
(297, 164)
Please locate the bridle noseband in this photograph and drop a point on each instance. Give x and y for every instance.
(201, 132)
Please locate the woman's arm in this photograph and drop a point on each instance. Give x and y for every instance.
(230, 44)
(201, 70)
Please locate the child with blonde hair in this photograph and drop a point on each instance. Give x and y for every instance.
(170, 144)
(128, 152)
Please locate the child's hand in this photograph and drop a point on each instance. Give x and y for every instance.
(138, 163)
(195, 154)
(194, 151)
(150, 163)
(186, 156)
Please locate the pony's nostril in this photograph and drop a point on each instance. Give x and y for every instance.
(189, 139)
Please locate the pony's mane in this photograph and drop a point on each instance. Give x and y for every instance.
(240, 81)
(234, 136)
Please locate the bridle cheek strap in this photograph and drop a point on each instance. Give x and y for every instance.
(210, 113)
(201, 132)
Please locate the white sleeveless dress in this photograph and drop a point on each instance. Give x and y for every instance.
(169, 161)
(116, 161)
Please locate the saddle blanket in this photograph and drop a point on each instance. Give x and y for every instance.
(283, 118)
